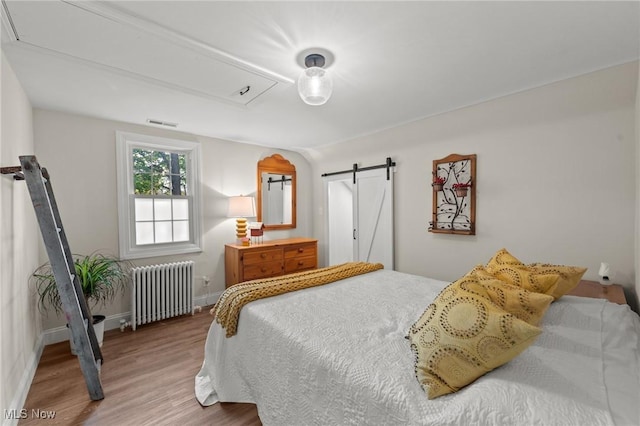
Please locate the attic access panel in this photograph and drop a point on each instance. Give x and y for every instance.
(115, 41)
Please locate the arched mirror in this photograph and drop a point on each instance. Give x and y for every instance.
(276, 193)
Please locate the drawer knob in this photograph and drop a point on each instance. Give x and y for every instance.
(300, 250)
(263, 255)
(300, 263)
(263, 269)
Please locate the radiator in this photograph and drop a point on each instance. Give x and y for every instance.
(161, 291)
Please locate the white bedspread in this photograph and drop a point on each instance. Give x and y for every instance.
(337, 355)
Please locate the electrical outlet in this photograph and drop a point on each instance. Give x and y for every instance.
(206, 280)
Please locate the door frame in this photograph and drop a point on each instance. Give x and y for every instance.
(343, 176)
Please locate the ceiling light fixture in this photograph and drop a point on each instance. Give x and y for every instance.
(314, 84)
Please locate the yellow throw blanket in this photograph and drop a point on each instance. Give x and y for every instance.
(227, 310)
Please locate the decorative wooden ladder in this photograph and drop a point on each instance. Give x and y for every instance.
(74, 303)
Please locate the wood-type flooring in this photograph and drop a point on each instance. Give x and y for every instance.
(147, 378)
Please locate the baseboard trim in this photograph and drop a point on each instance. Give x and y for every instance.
(207, 299)
(60, 334)
(20, 396)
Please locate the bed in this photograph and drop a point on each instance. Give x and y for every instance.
(337, 354)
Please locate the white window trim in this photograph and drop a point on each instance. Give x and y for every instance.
(125, 142)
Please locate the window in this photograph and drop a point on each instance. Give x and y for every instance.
(158, 196)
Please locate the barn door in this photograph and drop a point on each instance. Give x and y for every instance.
(373, 217)
(360, 217)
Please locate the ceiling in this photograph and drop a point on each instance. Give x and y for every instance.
(188, 63)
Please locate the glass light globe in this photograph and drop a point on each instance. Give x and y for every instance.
(315, 86)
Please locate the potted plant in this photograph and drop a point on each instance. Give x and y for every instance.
(101, 277)
(461, 188)
(438, 183)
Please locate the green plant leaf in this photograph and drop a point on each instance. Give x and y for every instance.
(101, 278)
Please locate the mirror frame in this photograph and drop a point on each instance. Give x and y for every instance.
(279, 165)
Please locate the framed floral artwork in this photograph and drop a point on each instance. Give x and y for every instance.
(454, 195)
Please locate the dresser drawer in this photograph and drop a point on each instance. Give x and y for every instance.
(300, 250)
(261, 256)
(299, 264)
(269, 259)
(262, 270)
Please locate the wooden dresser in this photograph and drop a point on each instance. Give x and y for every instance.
(269, 259)
(612, 292)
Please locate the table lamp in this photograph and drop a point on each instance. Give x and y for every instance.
(604, 272)
(241, 207)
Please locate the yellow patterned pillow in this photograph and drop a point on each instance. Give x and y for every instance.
(463, 335)
(503, 257)
(507, 268)
(570, 276)
(527, 305)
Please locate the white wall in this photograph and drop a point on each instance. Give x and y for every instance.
(79, 153)
(555, 178)
(20, 320)
(637, 241)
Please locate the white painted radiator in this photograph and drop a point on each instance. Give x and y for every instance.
(161, 291)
